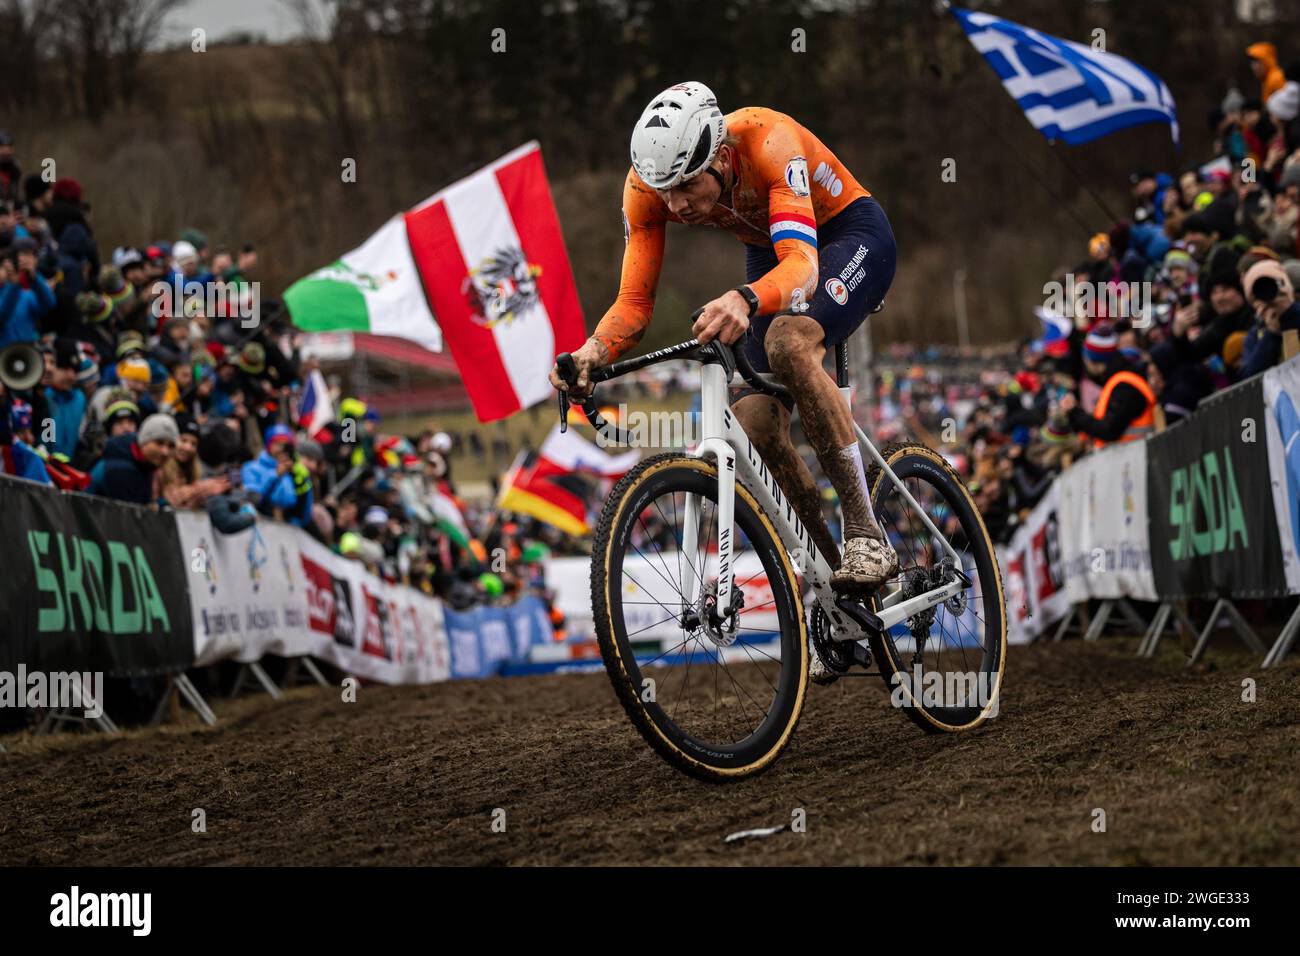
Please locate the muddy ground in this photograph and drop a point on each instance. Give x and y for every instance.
(1186, 772)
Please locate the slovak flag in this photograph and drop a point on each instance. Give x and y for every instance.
(492, 257)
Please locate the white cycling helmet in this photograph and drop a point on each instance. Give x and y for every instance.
(678, 135)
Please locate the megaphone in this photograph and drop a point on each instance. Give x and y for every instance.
(21, 366)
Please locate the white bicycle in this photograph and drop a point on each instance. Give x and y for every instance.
(700, 566)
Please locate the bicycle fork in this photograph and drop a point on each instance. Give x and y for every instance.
(713, 445)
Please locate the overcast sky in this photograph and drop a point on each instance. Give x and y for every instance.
(220, 17)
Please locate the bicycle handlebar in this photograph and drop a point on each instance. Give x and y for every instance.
(733, 357)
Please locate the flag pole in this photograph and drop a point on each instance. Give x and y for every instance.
(1079, 179)
(945, 6)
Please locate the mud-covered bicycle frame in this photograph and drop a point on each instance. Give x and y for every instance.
(725, 442)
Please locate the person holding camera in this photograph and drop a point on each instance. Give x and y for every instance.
(1270, 293)
(25, 297)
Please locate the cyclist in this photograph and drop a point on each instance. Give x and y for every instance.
(819, 257)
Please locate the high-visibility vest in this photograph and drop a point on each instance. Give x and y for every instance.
(1142, 426)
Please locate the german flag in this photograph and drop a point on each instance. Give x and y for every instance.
(555, 483)
(546, 491)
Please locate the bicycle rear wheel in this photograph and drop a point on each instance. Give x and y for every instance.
(717, 702)
(944, 667)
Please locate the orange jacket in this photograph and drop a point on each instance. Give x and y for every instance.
(1141, 427)
(1274, 78)
(787, 183)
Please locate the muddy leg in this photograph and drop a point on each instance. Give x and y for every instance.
(795, 350)
(767, 424)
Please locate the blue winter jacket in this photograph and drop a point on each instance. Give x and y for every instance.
(272, 490)
(21, 310)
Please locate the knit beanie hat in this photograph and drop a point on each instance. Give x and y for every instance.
(94, 306)
(1101, 343)
(134, 370)
(157, 427)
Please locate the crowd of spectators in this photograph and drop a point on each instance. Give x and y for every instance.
(168, 382)
(1191, 293)
(155, 374)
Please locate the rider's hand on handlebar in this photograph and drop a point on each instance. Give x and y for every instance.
(591, 355)
(725, 318)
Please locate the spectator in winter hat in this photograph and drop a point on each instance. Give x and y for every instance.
(121, 415)
(1284, 105)
(186, 258)
(135, 375)
(128, 469)
(252, 359)
(66, 403)
(25, 299)
(119, 291)
(88, 376)
(198, 241)
(1125, 410)
(268, 477)
(1272, 296)
(174, 342)
(78, 253)
(130, 345)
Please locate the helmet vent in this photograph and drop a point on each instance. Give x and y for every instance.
(702, 149)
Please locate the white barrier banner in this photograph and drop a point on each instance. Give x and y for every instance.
(367, 627)
(247, 590)
(1032, 574)
(651, 593)
(1282, 426)
(1106, 550)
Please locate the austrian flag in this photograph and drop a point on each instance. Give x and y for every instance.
(492, 257)
(480, 266)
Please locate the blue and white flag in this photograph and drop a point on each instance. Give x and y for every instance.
(1069, 91)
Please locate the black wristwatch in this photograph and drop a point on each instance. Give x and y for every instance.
(748, 295)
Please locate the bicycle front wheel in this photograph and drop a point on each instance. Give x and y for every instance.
(716, 698)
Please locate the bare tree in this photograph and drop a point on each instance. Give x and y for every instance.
(100, 43)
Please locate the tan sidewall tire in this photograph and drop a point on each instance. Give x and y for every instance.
(610, 521)
(892, 454)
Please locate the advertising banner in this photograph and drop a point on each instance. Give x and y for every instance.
(1282, 426)
(248, 594)
(90, 584)
(651, 598)
(1106, 551)
(487, 640)
(1033, 574)
(368, 627)
(1214, 530)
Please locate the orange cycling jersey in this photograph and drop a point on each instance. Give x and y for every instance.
(787, 183)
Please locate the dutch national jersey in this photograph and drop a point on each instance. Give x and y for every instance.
(787, 183)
